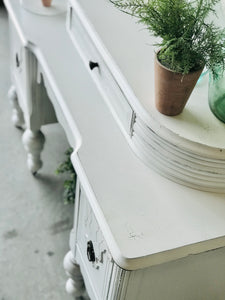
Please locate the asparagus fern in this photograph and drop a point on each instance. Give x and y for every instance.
(66, 167)
(189, 40)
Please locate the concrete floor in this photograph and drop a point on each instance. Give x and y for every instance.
(34, 222)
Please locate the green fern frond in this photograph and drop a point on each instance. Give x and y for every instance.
(188, 40)
(66, 167)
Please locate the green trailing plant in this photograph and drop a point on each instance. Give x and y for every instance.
(189, 40)
(66, 167)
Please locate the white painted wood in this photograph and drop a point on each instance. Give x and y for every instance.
(195, 277)
(152, 152)
(32, 97)
(97, 273)
(75, 283)
(118, 283)
(33, 142)
(102, 76)
(17, 114)
(176, 164)
(143, 219)
(195, 219)
(18, 68)
(132, 50)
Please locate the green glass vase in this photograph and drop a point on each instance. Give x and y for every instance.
(216, 96)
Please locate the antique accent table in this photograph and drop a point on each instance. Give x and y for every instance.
(149, 219)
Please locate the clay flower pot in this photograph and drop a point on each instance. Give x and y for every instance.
(172, 89)
(47, 3)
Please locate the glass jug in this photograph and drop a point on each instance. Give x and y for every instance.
(216, 96)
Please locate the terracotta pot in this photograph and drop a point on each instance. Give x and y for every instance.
(172, 89)
(47, 3)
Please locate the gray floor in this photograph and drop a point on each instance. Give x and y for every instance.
(34, 222)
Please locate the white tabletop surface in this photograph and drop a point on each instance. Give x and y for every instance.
(145, 218)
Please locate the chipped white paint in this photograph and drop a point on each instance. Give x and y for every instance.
(148, 232)
(188, 149)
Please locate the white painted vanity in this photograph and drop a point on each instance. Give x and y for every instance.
(149, 220)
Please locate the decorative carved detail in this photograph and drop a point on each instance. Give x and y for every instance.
(33, 142)
(17, 114)
(98, 240)
(75, 284)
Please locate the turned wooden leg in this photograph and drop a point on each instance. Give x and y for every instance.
(17, 114)
(75, 284)
(33, 142)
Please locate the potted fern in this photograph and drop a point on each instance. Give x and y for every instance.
(189, 42)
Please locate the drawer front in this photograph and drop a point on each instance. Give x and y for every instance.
(17, 62)
(91, 251)
(99, 71)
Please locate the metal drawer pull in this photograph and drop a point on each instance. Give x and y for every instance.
(90, 251)
(93, 65)
(17, 61)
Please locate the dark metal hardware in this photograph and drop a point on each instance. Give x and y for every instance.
(90, 251)
(17, 61)
(93, 65)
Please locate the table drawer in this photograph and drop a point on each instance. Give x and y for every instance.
(101, 74)
(91, 251)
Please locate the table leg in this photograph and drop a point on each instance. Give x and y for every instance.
(75, 284)
(17, 114)
(33, 141)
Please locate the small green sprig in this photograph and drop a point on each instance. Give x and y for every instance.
(69, 184)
